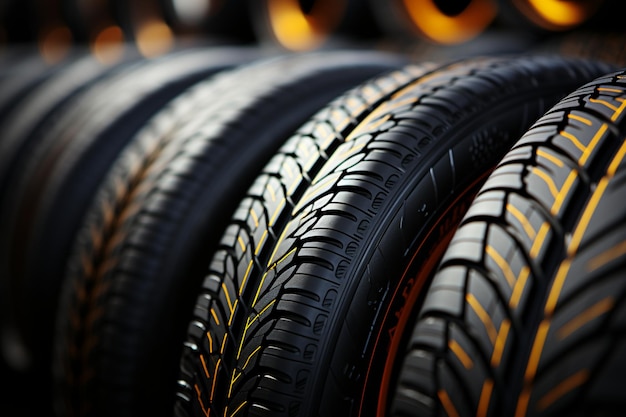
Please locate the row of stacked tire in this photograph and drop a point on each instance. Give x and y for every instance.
(223, 232)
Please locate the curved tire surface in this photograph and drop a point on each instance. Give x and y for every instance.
(304, 301)
(525, 314)
(142, 251)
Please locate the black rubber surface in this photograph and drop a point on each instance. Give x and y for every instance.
(300, 306)
(141, 255)
(525, 316)
(254, 228)
(46, 198)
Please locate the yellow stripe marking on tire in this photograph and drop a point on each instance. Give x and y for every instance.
(563, 192)
(255, 217)
(592, 145)
(519, 287)
(560, 277)
(231, 306)
(610, 90)
(535, 354)
(238, 408)
(204, 367)
(294, 184)
(272, 192)
(250, 357)
(617, 110)
(586, 217)
(502, 264)
(556, 161)
(245, 277)
(498, 349)
(210, 338)
(460, 353)
(531, 368)
(237, 374)
(484, 317)
(530, 231)
(242, 244)
(249, 323)
(485, 397)
(581, 119)
(539, 240)
(217, 366)
(547, 179)
(262, 281)
(217, 321)
(573, 139)
(276, 212)
(447, 404)
(259, 245)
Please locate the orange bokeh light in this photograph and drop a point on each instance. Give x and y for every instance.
(55, 43)
(299, 31)
(107, 45)
(431, 22)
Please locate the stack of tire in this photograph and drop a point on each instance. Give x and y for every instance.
(231, 232)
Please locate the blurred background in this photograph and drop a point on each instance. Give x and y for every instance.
(424, 28)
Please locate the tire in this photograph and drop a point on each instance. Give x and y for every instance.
(19, 130)
(299, 324)
(141, 255)
(23, 71)
(35, 107)
(48, 197)
(254, 227)
(524, 316)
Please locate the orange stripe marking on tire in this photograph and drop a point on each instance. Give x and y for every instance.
(460, 353)
(484, 317)
(563, 388)
(586, 316)
(205, 410)
(204, 367)
(606, 256)
(447, 404)
(485, 397)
